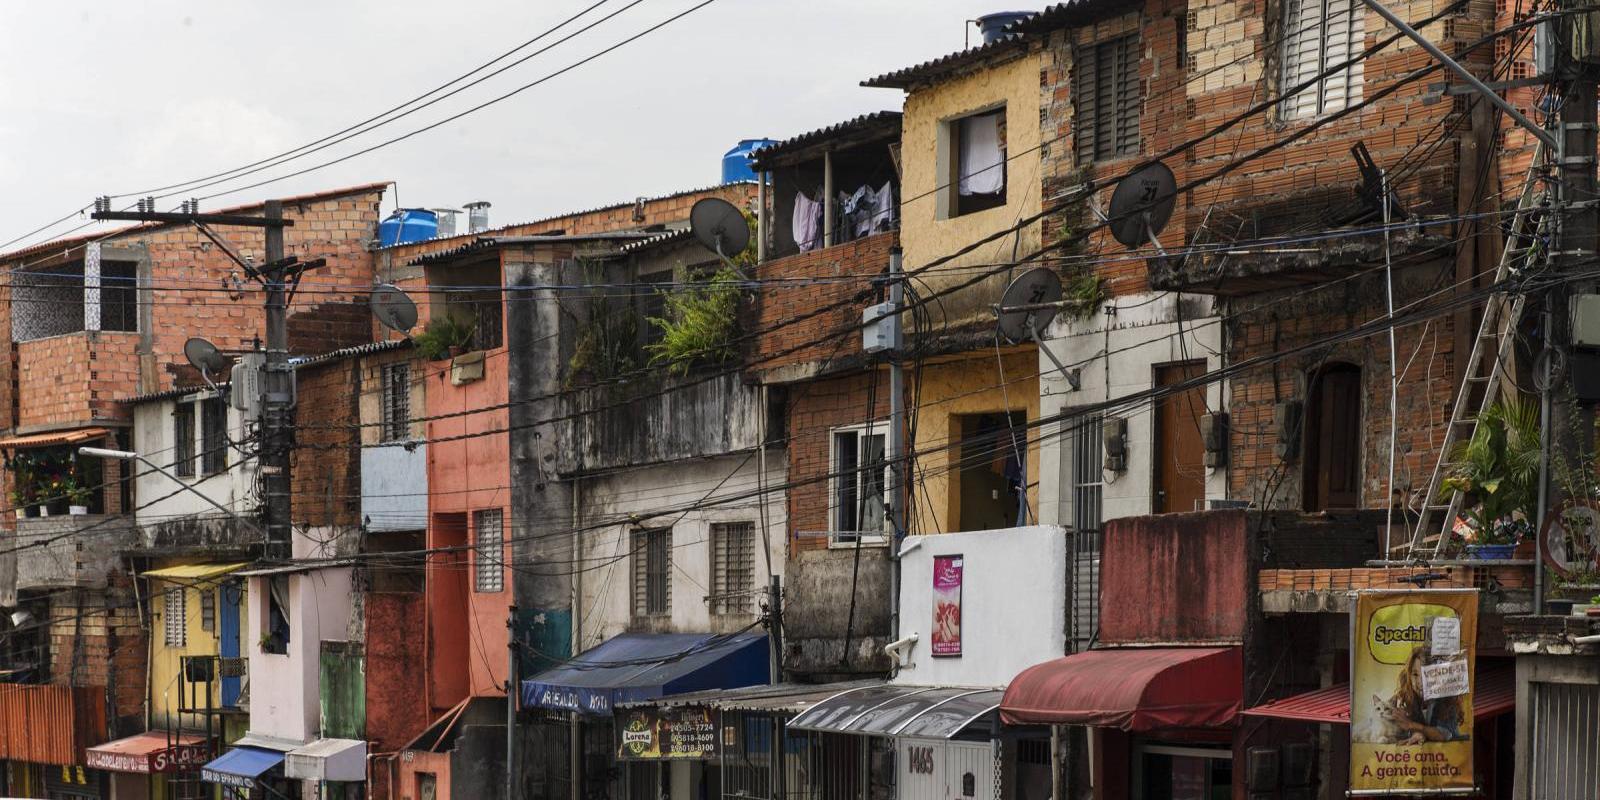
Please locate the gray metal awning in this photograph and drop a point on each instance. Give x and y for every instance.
(924, 712)
(782, 698)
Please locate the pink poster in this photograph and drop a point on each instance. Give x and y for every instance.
(947, 605)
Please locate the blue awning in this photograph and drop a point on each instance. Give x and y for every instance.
(241, 766)
(644, 666)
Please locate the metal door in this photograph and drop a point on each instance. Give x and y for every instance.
(969, 771)
(228, 639)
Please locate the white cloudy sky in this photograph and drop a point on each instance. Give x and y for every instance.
(99, 97)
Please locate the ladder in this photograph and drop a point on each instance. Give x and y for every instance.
(1490, 348)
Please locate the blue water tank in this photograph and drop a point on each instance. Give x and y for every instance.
(994, 25)
(407, 225)
(736, 162)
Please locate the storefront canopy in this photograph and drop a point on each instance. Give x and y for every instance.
(924, 712)
(241, 767)
(328, 760)
(148, 753)
(1133, 689)
(644, 666)
(194, 572)
(1495, 693)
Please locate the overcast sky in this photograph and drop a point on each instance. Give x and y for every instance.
(105, 98)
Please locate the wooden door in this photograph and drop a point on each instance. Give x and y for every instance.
(1333, 439)
(1180, 469)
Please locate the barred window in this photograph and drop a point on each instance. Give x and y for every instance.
(1105, 91)
(172, 617)
(208, 610)
(183, 440)
(652, 572)
(213, 436)
(1319, 34)
(396, 402)
(733, 567)
(489, 567)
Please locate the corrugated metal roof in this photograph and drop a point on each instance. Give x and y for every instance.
(298, 362)
(73, 241)
(1495, 693)
(567, 214)
(53, 438)
(194, 572)
(657, 240)
(1061, 15)
(791, 698)
(483, 243)
(886, 123)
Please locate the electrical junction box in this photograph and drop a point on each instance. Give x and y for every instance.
(1586, 320)
(244, 384)
(881, 329)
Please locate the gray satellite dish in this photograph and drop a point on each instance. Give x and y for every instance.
(393, 308)
(1028, 306)
(1142, 205)
(204, 356)
(720, 226)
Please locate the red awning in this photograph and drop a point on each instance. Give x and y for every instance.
(152, 752)
(1133, 689)
(1496, 693)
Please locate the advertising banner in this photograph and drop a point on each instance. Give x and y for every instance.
(654, 734)
(947, 574)
(1411, 681)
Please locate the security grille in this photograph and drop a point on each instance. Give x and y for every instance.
(208, 610)
(213, 436)
(652, 565)
(733, 555)
(172, 618)
(489, 565)
(396, 402)
(1319, 34)
(1565, 748)
(1106, 99)
(1087, 483)
(183, 440)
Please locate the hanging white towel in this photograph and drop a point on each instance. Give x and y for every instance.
(883, 213)
(807, 222)
(981, 170)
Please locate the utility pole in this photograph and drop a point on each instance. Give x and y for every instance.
(278, 276)
(899, 482)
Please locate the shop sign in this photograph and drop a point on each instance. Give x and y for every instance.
(947, 578)
(1411, 677)
(654, 734)
(178, 758)
(227, 779)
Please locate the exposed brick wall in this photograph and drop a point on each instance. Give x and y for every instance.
(813, 409)
(778, 303)
(325, 477)
(75, 379)
(97, 639)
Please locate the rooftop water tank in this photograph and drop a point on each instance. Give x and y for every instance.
(993, 25)
(736, 162)
(407, 225)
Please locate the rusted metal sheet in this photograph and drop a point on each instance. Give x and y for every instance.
(50, 724)
(1175, 578)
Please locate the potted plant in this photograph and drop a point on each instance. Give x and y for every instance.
(77, 497)
(1497, 473)
(1594, 606)
(445, 337)
(1558, 606)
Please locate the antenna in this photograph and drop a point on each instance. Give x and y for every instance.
(720, 226)
(205, 356)
(1029, 304)
(1142, 205)
(393, 307)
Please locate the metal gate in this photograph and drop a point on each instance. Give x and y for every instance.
(931, 769)
(1565, 745)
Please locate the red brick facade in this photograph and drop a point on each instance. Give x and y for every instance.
(325, 466)
(842, 274)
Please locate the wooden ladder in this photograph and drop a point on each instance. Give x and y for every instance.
(1490, 348)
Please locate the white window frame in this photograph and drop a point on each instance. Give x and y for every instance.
(175, 617)
(848, 539)
(488, 567)
(1300, 33)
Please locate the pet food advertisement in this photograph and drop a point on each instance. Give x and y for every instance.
(1411, 681)
(947, 572)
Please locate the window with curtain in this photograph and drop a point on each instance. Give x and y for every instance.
(978, 153)
(1319, 34)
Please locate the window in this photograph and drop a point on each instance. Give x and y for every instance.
(1085, 449)
(733, 567)
(1168, 771)
(859, 498)
(1105, 91)
(119, 296)
(990, 486)
(208, 610)
(275, 639)
(977, 153)
(652, 572)
(396, 402)
(183, 440)
(480, 309)
(213, 435)
(173, 617)
(1319, 34)
(489, 564)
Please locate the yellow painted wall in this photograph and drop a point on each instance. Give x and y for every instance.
(971, 384)
(165, 663)
(925, 236)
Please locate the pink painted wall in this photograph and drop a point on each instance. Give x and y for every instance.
(1175, 578)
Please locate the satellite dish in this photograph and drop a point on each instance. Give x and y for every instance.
(1142, 205)
(394, 308)
(205, 356)
(720, 226)
(1020, 319)
(1028, 306)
